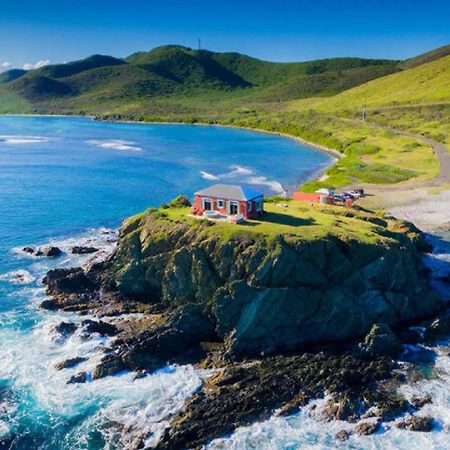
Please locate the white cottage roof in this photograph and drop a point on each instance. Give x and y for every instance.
(232, 192)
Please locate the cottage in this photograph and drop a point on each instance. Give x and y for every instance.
(229, 200)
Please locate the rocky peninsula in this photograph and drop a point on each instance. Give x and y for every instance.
(303, 303)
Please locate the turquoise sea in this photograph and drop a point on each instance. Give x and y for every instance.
(67, 181)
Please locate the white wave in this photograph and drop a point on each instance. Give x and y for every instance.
(275, 186)
(18, 277)
(116, 144)
(209, 176)
(19, 139)
(246, 176)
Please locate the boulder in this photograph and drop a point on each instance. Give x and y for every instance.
(69, 363)
(416, 423)
(67, 281)
(380, 341)
(419, 402)
(29, 250)
(66, 329)
(343, 435)
(51, 251)
(83, 250)
(366, 428)
(81, 377)
(100, 327)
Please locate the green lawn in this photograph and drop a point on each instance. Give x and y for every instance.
(293, 219)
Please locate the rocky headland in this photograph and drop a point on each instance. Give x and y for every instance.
(282, 311)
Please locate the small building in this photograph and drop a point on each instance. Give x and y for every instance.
(323, 196)
(229, 200)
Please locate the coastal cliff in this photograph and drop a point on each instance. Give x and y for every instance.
(273, 293)
(277, 307)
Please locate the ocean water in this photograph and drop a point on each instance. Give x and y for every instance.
(67, 181)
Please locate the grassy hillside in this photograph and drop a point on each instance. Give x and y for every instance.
(11, 75)
(181, 72)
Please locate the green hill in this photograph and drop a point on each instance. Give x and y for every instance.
(426, 83)
(426, 57)
(176, 72)
(11, 75)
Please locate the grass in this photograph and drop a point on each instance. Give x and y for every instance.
(296, 220)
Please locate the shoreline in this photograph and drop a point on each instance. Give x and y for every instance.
(392, 197)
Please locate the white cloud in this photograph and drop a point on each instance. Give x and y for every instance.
(37, 65)
(5, 66)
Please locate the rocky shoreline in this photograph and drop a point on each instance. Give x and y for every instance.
(181, 283)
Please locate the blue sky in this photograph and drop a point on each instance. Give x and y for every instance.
(285, 30)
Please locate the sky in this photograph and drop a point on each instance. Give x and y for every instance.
(38, 32)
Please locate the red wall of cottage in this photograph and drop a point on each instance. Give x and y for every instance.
(197, 207)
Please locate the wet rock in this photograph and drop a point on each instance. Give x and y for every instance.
(380, 341)
(69, 363)
(100, 327)
(149, 350)
(367, 428)
(66, 329)
(419, 402)
(67, 281)
(343, 435)
(242, 394)
(344, 408)
(51, 251)
(81, 377)
(438, 328)
(29, 250)
(83, 250)
(416, 423)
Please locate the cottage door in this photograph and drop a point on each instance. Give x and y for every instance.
(207, 204)
(234, 208)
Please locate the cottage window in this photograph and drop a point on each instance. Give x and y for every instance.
(259, 204)
(220, 203)
(234, 208)
(249, 206)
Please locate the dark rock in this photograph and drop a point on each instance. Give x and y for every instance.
(186, 327)
(343, 435)
(83, 250)
(66, 329)
(140, 374)
(81, 377)
(29, 250)
(367, 428)
(344, 408)
(51, 251)
(100, 327)
(438, 328)
(110, 365)
(416, 423)
(50, 305)
(419, 402)
(243, 394)
(69, 363)
(67, 281)
(380, 341)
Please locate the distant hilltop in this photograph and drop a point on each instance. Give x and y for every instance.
(100, 84)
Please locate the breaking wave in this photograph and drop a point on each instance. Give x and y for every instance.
(245, 175)
(22, 139)
(116, 144)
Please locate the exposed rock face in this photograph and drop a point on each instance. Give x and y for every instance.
(268, 295)
(380, 341)
(416, 423)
